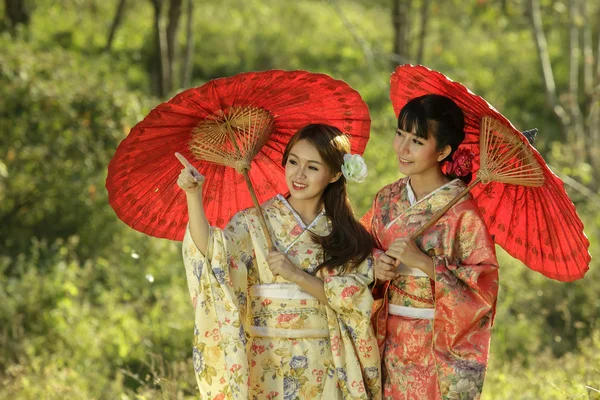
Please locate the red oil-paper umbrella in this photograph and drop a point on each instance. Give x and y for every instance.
(234, 131)
(524, 204)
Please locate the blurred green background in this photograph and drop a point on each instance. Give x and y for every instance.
(90, 309)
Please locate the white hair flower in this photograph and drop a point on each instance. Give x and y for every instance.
(354, 168)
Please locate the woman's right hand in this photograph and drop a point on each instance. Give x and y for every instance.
(385, 268)
(189, 180)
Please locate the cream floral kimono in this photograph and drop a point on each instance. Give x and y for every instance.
(257, 336)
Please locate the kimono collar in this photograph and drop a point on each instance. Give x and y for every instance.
(295, 214)
(432, 202)
(412, 198)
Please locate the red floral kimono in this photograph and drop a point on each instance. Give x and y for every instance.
(437, 333)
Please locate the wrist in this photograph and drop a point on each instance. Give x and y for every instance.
(195, 194)
(298, 276)
(426, 263)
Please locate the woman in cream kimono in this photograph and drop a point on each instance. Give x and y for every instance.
(441, 288)
(294, 322)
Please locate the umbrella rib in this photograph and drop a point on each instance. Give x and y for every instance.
(566, 202)
(497, 204)
(173, 201)
(220, 193)
(563, 225)
(141, 195)
(140, 178)
(567, 234)
(139, 167)
(526, 212)
(510, 219)
(260, 167)
(556, 243)
(149, 132)
(535, 213)
(568, 207)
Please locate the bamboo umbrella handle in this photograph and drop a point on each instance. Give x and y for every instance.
(440, 213)
(261, 216)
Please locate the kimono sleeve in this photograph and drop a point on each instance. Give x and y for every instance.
(217, 283)
(353, 342)
(369, 221)
(227, 250)
(466, 288)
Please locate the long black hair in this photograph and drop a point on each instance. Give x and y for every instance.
(349, 243)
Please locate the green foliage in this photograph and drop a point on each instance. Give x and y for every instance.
(87, 328)
(573, 376)
(61, 120)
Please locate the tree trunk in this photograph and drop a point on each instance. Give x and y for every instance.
(588, 52)
(17, 13)
(547, 73)
(159, 68)
(115, 24)
(188, 63)
(576, 128)
(400, 14)
(598, 61)
(580, 118)
(592, 91)
(171, 40)
(423, 30)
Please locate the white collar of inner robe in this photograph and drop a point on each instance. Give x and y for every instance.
(412, 198)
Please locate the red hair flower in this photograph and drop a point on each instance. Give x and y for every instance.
(461, 163)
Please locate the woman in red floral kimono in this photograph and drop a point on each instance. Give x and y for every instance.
(443, 286)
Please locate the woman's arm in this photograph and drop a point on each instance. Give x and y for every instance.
(280, 265)
(405, 251)
(199, 227)
(191, 181)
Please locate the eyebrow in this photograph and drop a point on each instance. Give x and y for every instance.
(410, 133)
(310, 161)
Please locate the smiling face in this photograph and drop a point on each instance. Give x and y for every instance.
(416, 155)
(430, 127)
(306, 174)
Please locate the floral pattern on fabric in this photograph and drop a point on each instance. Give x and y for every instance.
(443, 358)
(251, 344)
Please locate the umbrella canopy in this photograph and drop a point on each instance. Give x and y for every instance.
(537, 225)
(142, 175)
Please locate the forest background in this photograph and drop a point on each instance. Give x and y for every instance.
(91, 309)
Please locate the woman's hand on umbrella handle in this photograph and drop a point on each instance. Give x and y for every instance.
(385, 268)
(280, 265)
(405, 251)
(189, 180)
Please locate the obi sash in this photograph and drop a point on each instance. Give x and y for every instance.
(382, 306)
(411, 312)
(284, 310)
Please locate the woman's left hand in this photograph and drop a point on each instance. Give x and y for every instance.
(405, 251)
(280, 265)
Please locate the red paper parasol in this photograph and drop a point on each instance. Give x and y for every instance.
(537, 225)
(142, 175)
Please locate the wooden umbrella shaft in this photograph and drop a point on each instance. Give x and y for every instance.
(440, 213)
(245, 171)
(261, 216)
